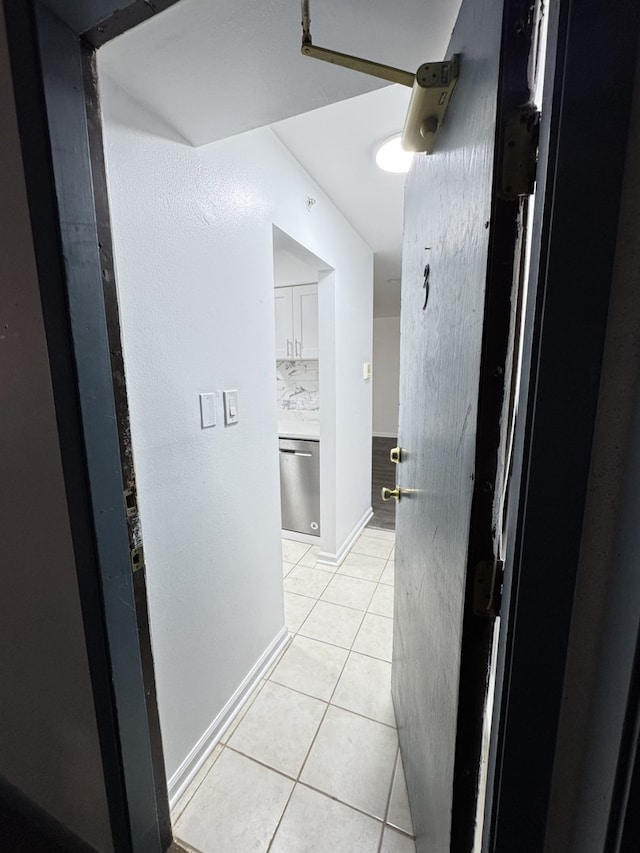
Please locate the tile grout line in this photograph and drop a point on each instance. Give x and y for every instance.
(332, 705)
(297, 780)
(302, 766)
(355, 610)
(330, 697)
(342, 802)
(326, 710)
(306, 758)
(333, 646)
(284, 811)
(388, 806)
(324, 601)
(328, 703)
(360, 715)
(350, 650)
(400, 831)
(295, 634)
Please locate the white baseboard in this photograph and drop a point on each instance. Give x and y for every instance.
(301, 537)
(336, 559)
(183, 776)
(385, 434)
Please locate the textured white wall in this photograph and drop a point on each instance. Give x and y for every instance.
(386, 375)
(194, 260)
(49, 749)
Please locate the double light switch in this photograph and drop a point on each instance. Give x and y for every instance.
(208, 401)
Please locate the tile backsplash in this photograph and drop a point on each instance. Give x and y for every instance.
(298, 390)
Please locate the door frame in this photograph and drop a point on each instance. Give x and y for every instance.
(59, 123)
(503, 283)
(563, 345)
(55, 86)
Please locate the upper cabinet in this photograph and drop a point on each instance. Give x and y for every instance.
(296, 321)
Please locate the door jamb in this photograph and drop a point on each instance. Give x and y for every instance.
(503, 264)
(575, 232)
(60, 137)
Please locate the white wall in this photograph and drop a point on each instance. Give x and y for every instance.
(194, 260)
(288, 270)
(49, 749)
(386, 375)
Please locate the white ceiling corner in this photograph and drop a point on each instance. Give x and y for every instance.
(214, 69)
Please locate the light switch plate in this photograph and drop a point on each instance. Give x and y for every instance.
(230, 407)
(208, 410)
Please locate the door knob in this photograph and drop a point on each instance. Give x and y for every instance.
(395, 454)
(387, 494)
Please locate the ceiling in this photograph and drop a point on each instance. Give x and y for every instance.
(336, 145)
(214, 69)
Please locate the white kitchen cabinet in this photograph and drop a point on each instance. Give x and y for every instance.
(296, 311)
(284, 322)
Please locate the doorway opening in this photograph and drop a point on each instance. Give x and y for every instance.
(197, 256)
(219, 313)
(48, 49)
(301, 336)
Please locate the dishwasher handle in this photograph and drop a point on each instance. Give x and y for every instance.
(294, 452)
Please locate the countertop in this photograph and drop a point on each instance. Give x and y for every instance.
(299, 429)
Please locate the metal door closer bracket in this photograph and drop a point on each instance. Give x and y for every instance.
(432, 87)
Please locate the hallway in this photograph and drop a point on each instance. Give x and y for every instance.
(383, 473)
(311, 764)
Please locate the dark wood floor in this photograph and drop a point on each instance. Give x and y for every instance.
(383, 473)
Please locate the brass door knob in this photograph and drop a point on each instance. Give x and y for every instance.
(395, 455)
(387, 494)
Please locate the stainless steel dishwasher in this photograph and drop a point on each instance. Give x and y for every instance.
(300, 485)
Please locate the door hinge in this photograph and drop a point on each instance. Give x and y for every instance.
(487, 588)
(137, 559)
(130, 502)
(519, 153)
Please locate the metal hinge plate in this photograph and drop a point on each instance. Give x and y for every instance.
(487, 588)
(520, 153)
(137, 559)
(130, 502)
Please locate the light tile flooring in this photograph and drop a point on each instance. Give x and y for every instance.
(311, 764)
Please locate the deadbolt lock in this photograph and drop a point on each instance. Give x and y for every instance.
(395, 455)
(387, 494)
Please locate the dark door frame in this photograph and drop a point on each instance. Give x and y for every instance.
(55, 85)
(52, 61)
(580, 174)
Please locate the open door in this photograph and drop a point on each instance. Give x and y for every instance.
(465, 207)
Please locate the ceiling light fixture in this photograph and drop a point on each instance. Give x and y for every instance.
(391, 156)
